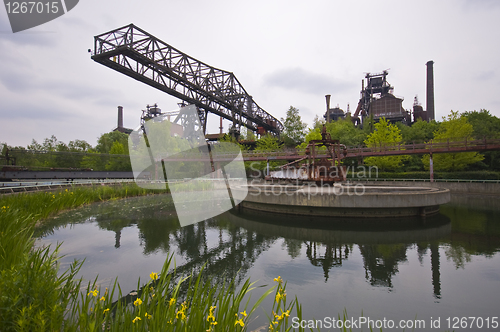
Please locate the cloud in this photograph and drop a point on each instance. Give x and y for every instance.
(304, 81)
(23, 78)
(482, 4)
(36, 108)
(39, 36)
(486, 75)
(46, 39)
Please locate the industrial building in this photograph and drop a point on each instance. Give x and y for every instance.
(120, 127)
(418, 111)
(378, 101)
(333, 114)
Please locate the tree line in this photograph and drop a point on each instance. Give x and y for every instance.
(472, 125)
(110, 154)
(111, 151)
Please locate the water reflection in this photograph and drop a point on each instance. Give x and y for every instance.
(216, 244)
(230, 244)
(331, 257)
(383, 247)
(476, 229)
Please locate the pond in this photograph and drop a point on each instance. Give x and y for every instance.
(441, 271)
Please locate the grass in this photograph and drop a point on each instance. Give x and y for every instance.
(41, 205)
(35, 297)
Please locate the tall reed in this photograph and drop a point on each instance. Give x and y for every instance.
(34, 297)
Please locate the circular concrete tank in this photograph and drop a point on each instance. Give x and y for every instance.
(345, 200)
(344, 230)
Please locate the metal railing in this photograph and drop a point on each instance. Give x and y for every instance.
(424, 180)
(29, 186)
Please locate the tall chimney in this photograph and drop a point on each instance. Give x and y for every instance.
(327, 108)
(430, 90)
(120, 117)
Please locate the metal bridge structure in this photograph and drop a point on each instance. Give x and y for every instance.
(481, 145)
(138, 54)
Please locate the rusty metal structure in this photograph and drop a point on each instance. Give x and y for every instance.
(418, 111)
(320, 165)
(377, 100)
(430, 90)
(333, 114)
(138, 54)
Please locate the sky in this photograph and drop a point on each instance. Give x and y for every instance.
(284, 53)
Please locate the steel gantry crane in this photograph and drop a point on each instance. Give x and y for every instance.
(138, 54)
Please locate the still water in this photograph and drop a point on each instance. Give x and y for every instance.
(432, 270)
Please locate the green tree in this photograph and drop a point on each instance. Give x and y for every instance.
(313, 134)
(294, 128)
(385, 136)
(483, 123)
(318, 122)
(486, 126)
(342, 130)
(229, 139)
(38, 159)
(50, 144)
(105, 142)
(93, 160)
(34, 146)
(79, 146)
(267, 143)
(454, 128)
(419, 132)
(119, 160)
(368, 125)
(345, 131)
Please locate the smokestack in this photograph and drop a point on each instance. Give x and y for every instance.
(327, 108)
(120, 117)
(430, 90)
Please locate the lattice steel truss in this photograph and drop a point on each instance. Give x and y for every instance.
(136, 53)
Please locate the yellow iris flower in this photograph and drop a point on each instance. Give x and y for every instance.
(239, 321)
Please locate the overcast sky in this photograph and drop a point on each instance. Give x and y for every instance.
(284, 53)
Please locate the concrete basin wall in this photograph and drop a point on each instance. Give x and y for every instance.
(341, 200)
(486, 188)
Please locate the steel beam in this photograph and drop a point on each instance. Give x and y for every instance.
(138, 54)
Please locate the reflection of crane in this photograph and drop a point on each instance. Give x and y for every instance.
(135, 53)
(333, 256)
